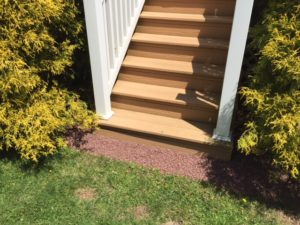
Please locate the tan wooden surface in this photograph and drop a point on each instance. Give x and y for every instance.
(170, 82)
(206, 7)
(164, 65)
(161, 126)
(179, 41)
(201, 83)
(186, 17)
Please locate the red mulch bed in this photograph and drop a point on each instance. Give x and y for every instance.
(242, 176)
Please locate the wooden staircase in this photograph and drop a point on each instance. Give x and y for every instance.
(170, 83)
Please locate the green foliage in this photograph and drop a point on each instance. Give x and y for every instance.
(37, 43)
(273, 94)
(116, 190)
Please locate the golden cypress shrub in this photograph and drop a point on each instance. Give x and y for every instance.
(37, 43)
(273, 94)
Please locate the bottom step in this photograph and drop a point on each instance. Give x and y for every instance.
(164, 130)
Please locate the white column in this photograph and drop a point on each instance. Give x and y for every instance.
(97, 39)
(239, 34)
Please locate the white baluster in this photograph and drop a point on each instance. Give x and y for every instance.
(113, 20)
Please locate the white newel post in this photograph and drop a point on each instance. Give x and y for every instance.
(97, 39)
(239, 34)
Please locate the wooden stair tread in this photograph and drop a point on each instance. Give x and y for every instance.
(182, 67)
(179, 40)
(163, 94)
(161, 126)
(186, 17)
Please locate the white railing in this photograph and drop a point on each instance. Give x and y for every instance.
(239, 33)
(110, 26)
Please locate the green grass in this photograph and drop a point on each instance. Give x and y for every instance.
(48, 195)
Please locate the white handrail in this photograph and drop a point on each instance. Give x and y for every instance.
(110, 26)
(239, 33)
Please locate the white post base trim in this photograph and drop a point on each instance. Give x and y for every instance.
(218, 137)
(107, 116)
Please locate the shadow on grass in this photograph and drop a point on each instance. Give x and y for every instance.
(254, 177)
(30, 167)
(75, 135)
(251, 178)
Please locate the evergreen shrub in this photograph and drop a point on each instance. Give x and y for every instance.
(37, 41)
(272, 95)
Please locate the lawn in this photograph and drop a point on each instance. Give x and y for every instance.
(78, 188)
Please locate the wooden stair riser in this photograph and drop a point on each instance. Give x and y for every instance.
(191, 69)
(187, 29)
(184, 17)
(171, 80)
(207, 7)
(190, 54)
(167, 95)
(164, 109)
(179, 41)
(221, 153)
